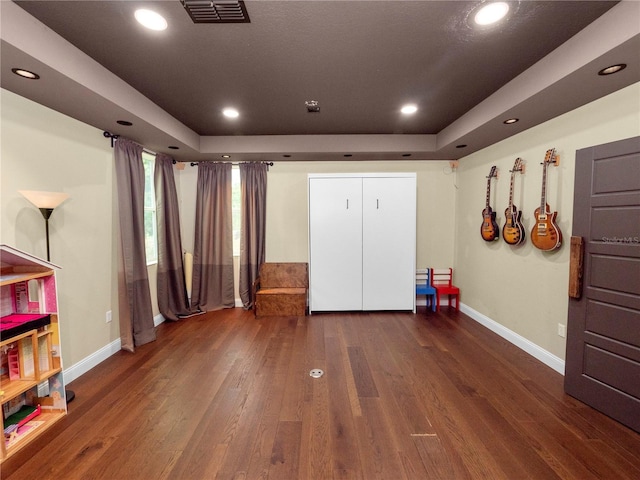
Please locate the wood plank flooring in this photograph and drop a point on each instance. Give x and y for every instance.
(425, 396)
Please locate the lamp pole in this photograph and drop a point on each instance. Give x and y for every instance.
(46, 213)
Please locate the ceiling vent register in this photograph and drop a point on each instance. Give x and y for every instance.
(205, 11)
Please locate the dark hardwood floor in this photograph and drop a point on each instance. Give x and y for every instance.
(425, 396)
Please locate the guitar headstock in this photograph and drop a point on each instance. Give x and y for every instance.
(551, 157)
(493, 172)
(518, 166)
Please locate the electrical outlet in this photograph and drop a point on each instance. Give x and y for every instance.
(108, 317)
(562, 330)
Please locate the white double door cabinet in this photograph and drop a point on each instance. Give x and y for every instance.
(362, 242)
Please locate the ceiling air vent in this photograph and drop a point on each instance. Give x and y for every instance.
(205, 11)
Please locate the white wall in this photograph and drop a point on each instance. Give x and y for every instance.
(44, 150)
(523, 288)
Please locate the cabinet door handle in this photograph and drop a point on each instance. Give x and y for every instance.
(347, 204)
(377, 204)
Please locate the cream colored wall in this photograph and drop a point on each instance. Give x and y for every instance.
(523, 288)
(287, 216)
(186, 184)
(44, 150)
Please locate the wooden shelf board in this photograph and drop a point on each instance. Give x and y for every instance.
(49, 373)
(7, 341)
(48, 419)
(9, 278)
(13, 388)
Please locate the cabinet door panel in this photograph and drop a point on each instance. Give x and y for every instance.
(335, 244)
(389, 236)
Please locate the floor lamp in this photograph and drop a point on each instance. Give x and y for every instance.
(46, 202)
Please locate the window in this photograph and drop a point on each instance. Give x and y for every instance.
(236, 209)
(150, 227)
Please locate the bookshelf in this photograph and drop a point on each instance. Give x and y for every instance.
(32, 389)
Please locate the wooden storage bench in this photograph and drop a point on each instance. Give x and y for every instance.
(281, 289)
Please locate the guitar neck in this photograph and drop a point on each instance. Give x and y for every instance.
(548, 158)
(488, 192)
(543, 197)
(511, 190)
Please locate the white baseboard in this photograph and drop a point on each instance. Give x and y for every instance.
(157, 320)
(83, 366)
(548, 358)
(87, 363)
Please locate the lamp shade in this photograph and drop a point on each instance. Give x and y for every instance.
(44, 199)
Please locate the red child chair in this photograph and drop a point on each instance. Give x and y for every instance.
(441, 279)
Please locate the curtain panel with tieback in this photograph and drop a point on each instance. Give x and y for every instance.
(253, 195)
(134, 296)
(212, 283)
(173, 301)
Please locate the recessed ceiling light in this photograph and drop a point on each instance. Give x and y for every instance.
(612, 69)
(125, 123)
(509, 121)
(409, 109)
(25, 73)
(150, 19)
(491, 13)
(230, 113)
(226, 156)
(462, 145)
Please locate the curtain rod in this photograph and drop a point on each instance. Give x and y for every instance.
(114, 137)
(268, 164)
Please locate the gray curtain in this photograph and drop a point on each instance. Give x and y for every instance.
(135, 312)
(212, 284)
(253, 198)
(173, 301)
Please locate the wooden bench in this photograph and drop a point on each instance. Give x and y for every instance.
(281, 289)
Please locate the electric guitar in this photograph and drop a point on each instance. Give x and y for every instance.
(545, 234)
(513, 231)
(489, 230)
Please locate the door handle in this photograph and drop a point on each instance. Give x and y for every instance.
(576, 264)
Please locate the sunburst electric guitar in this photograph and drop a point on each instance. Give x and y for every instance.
(545, 234)
(489, 230)
(513, 231)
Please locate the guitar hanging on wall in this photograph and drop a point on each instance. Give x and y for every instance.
(545, 234)
(513, 231)
(489, 230)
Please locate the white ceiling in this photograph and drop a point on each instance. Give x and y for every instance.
(361, 60)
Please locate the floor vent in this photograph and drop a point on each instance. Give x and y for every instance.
(207, 11)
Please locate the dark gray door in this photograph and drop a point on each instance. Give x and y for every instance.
(603, 336)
